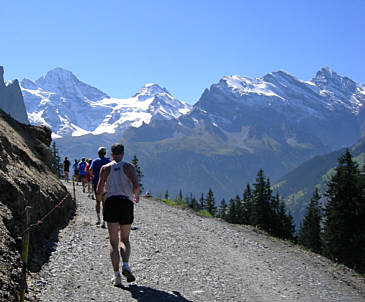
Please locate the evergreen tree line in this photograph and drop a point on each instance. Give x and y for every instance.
(258, 207)
(337, 230)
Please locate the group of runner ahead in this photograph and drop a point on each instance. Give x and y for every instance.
(116, 187)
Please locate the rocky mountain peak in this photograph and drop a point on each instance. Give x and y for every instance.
(151, 89)
(11, 99)
(55, 78)
(326, 77)
(28, 84)
(2, 83)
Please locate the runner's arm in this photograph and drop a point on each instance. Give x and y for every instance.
(103, 176)
(130, 171)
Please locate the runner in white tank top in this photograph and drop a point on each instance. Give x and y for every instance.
(119, 180)
(118, 184)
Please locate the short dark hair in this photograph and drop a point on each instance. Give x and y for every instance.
(117, 149)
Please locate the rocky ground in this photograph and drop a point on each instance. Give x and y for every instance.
(179, 256)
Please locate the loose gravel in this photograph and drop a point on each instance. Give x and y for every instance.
(179, 256)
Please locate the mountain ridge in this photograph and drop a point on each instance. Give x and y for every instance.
(238, 126)
(56, 98)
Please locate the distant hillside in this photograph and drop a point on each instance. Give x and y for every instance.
(298, 186)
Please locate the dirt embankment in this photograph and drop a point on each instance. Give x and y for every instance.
(26, 179)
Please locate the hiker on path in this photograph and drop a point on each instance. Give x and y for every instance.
(76, 171)
(95, 167)
(119, 181)
(66, 168)
(88, 178)
(82, 172)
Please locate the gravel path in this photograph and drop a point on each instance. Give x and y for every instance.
(179, 256)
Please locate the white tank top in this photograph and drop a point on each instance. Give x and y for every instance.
(118, 183)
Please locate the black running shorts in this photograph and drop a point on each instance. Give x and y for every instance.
(118, 209)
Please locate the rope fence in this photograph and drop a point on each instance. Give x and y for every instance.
(26, 234)
(40, 221)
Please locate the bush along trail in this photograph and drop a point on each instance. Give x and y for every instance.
(180, 256)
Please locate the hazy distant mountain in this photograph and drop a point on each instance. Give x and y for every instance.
(240, 125)
(297, 187)
(11, 99)
(72, 108)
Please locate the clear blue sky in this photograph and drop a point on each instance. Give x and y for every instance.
(183, 45)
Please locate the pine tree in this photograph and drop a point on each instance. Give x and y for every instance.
(247, 205)
(276, 227)
(222, 213)
(138, 172)
(202, 202)
(194, 204)
(188, 199)
(238, 217)
(180, 196)
(260, 214)
(167, 195)
(231, 211)
(310, 231)
(288, 227)
(210, 202)
(344, 225)
(56, 161)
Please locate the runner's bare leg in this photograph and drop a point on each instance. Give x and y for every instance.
(125, 247)
(113, 228)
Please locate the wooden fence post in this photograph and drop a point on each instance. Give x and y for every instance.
(25, 249)
(74, 190)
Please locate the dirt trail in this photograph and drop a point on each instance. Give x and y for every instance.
(179, 256)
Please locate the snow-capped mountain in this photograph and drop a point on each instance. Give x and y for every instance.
(151, 102)
(72, 108)
(327, 109)
(283, 93)
(238, 126)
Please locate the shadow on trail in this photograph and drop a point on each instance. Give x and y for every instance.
(148, 294)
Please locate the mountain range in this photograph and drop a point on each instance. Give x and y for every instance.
(72, 108)
(238, 126)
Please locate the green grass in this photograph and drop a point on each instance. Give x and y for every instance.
(175, 203)
(204, 213)
(181, 203)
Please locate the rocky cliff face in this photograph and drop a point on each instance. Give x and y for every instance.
(26, 179)
(11, 99)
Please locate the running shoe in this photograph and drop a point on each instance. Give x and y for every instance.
(128, 274)
(116, 280)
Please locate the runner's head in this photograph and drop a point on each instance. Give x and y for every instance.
(101, 151)
(117, 151)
